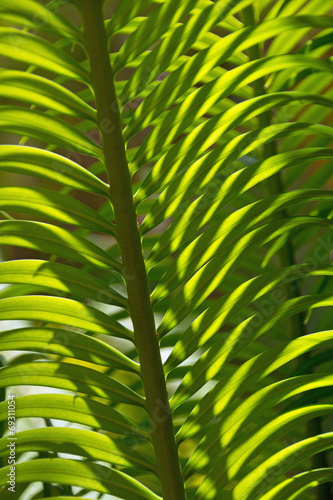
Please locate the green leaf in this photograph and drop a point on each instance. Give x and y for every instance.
(207, 278)
(30, 49)
(46, 128)
(76, 409)
(61, 311)
(84, 474)
(255, 407)
(299, 483)
(124, 13)
(219, 157)
(56, 276)
(254, 443)
(47, 165)
(204, 175)
(80, 442)
(205, 247)
(66, 343)
(54, 240)
(218, 400)
(158, 22)
(43, 202)
(209, 132)
(61, 497)
(34, 89)
(178, 40)
(212, 319)
(219, 314)
(69, 377)
(171, 88)
(203, 99)
(285, 460)
(35, 15)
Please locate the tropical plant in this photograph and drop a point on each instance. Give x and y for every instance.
(190, 355)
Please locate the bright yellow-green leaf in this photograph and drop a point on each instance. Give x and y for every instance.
(61, 311)
(46, 128)
(30, 49)
(69, 377)
(85, 474)
(60, 277)
(66, 343)
(54, 240)
(34, 89)
(37, 162)
(36, 15)
(80, 442)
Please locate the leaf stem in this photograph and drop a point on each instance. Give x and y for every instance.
(128, 236)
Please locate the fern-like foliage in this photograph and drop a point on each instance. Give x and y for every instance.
(169, 183)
